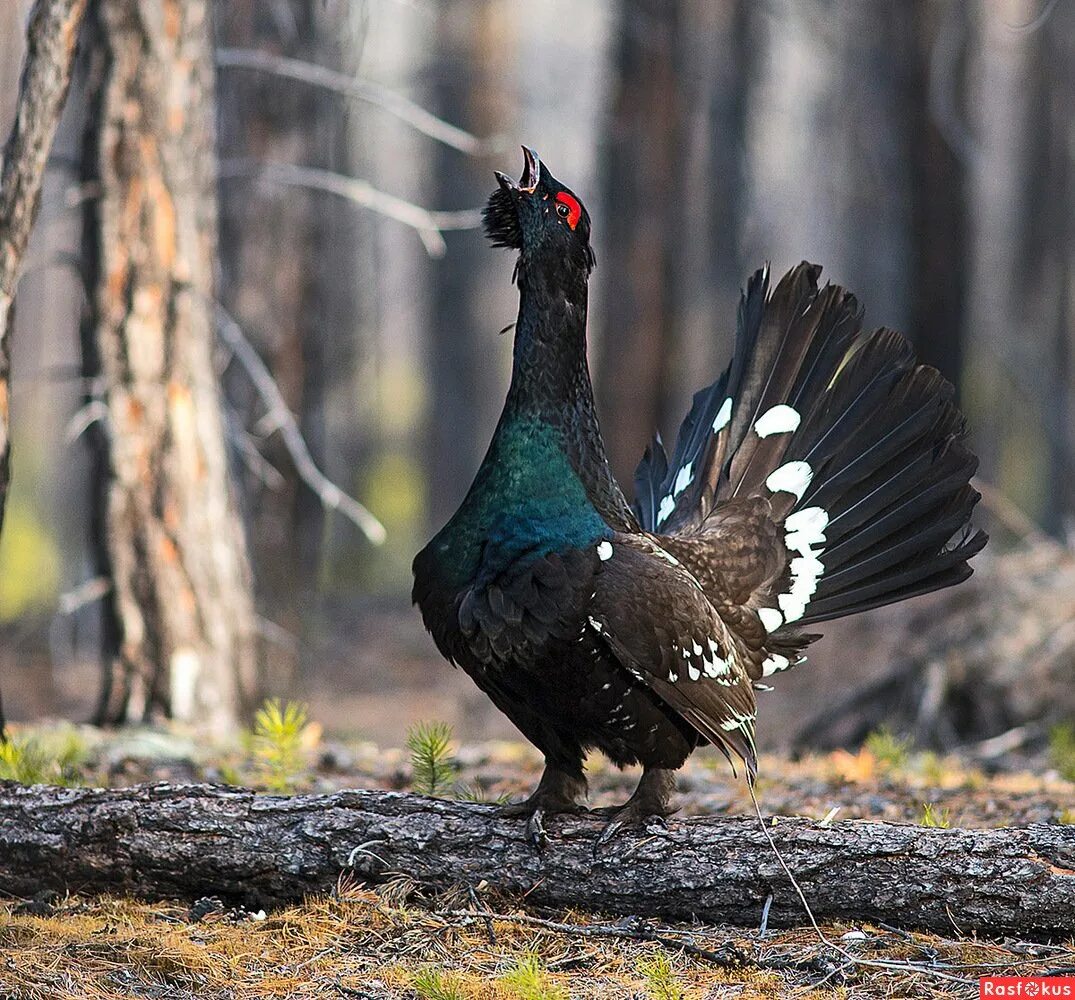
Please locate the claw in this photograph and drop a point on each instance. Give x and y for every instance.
(535, 829)
(625, 818)
(612, 827)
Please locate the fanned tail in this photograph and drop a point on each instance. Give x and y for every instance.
(858, 449)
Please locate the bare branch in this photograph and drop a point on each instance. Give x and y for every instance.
(280, 418)
(429, 225)
(84, 594)
(377, 94)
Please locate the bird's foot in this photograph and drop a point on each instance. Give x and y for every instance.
(558, 792)
(647, 807)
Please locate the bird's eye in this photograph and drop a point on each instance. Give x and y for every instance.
(568, 208)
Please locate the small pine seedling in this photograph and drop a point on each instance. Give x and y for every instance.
(891, 751)
(661, 982)
(433, 766)
(1062, 749)
(278, 743)
(933, 817)
(529, 981)
(431, 983)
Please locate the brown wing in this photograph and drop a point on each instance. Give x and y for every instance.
(739, 557)
(661, 627)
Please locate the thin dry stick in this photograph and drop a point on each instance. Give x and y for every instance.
(429, 225)
(280, 418)
(893, 965)
(382, 97)
(729, 955)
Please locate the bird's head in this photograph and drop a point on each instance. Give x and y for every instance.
(539, 217)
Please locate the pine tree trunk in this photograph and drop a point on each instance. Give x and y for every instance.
(181, 582)
(52, 35)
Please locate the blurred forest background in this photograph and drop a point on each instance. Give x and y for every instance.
(922, 151)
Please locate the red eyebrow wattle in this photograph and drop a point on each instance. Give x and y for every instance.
(574, 209)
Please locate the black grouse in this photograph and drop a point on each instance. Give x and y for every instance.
(824, 473)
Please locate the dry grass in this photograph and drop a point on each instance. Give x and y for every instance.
(389, 943)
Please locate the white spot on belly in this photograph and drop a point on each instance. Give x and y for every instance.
(604, 551)
(780, 419)
(724, 416)
(792, 477)
(770, 618)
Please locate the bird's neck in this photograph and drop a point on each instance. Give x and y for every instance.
(550, 380)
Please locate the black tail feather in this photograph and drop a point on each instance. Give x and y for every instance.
(843, 426)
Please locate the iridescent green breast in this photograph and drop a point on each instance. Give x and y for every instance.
(526, 501)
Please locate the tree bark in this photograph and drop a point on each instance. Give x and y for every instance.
(181, 581)
(52, 35)
(161, 841)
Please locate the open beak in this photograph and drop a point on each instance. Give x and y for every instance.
(531, 174)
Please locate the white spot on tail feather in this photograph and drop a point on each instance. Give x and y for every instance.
(805, 535)
(792, 477)
(774, 663)
(780, 419)
(770, 618)
(723, 417)
(667, 506)
(604, 551)
(683, 479)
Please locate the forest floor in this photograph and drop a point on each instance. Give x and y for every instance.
(391, 941)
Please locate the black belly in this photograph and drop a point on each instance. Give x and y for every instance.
(576, 698)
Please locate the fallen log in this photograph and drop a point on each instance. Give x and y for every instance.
(185, 842)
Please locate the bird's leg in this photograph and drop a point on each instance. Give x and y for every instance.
(558, 791)
(652, 798)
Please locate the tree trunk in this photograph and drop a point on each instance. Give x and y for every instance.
(181, 583)
(643, 163)
(159, 841)
(1011, 381)
(51, 39)
(299, 308)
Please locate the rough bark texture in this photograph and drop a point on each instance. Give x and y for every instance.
(50, 55)
(190, 841)
(179, 563)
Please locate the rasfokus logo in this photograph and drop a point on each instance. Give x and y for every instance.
(1035, 987)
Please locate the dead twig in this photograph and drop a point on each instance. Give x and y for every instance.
(280, 418)
(377, 94)
(429, 225)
